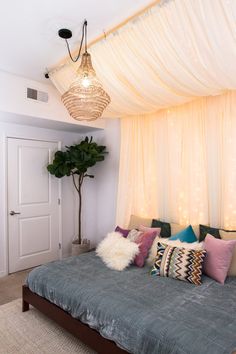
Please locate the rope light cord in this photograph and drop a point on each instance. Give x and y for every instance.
(84, 36)
(85, 29)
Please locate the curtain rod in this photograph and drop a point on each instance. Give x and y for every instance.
(123, 23)
(108, 32)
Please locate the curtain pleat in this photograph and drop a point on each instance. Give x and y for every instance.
(176, 51)
(180, 164)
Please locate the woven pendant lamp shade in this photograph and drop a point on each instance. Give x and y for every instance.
(86, 99)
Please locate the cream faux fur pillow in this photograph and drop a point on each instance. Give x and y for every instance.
(116, 251)
(174, 243)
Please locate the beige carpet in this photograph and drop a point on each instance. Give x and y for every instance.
(11, 286)
(32, 333)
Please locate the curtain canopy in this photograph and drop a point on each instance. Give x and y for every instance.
(175, 51)
(180, 164)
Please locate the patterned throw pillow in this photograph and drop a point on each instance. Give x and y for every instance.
(179, 263)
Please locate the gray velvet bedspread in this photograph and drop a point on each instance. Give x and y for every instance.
(142, 313)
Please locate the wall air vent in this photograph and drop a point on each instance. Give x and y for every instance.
(37, 95)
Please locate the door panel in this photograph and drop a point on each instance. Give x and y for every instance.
(29, 193)
(33, 193)
(42, 235)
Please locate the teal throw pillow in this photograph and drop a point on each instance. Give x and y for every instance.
(186, 235)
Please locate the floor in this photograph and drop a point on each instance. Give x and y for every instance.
(11, 285)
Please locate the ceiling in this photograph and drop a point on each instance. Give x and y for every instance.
(28, 29)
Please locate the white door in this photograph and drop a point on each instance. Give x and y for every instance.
(33, 204)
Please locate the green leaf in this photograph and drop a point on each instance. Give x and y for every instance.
(77, 158)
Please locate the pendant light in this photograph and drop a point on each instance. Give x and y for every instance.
(85, 99)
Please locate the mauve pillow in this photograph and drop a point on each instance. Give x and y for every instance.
(124, 232)
(218, 258)
(151, 229)
(144, 242)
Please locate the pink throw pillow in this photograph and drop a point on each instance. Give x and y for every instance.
(145, 242)
(151, 229)
(218, 257)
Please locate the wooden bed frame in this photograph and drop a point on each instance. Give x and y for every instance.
(87, 335)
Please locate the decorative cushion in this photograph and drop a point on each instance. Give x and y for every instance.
(219, 256)
(165, 227)
(196, 231)
(186, 235)
(144, 242)
(134, 235)
(117, 252)
(178, 263)
(135, 221)
(152, 229)
(174, 243)
(124, 232)
(204, 230)
(175, 228)
(225, 235)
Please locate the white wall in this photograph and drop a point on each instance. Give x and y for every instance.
(107, 180)
(99, 203)
(13, 99)
(99, 194)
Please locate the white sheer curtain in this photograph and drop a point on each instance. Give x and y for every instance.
(177, 164)
(180, 164)
(169, 55)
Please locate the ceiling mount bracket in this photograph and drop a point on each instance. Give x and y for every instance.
(65, 33)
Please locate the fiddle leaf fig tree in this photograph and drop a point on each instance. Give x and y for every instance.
(75, 161)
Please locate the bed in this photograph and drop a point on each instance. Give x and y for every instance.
(131, 311)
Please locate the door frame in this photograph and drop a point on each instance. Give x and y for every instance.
(5, 192)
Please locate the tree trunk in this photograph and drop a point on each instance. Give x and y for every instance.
(79, 190)
(80, 213)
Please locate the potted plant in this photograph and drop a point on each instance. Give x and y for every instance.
(75, 161)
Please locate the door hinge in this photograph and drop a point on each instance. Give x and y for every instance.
(59, 201)
(59, 245)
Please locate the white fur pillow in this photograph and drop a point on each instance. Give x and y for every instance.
(116, 251)
(175, 243)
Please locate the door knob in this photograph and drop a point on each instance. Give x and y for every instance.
(12, 212)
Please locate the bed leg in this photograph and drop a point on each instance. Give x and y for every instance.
(25, 304)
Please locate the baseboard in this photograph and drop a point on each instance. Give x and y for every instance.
(2, 273)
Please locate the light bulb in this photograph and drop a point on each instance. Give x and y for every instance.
(86, 82)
